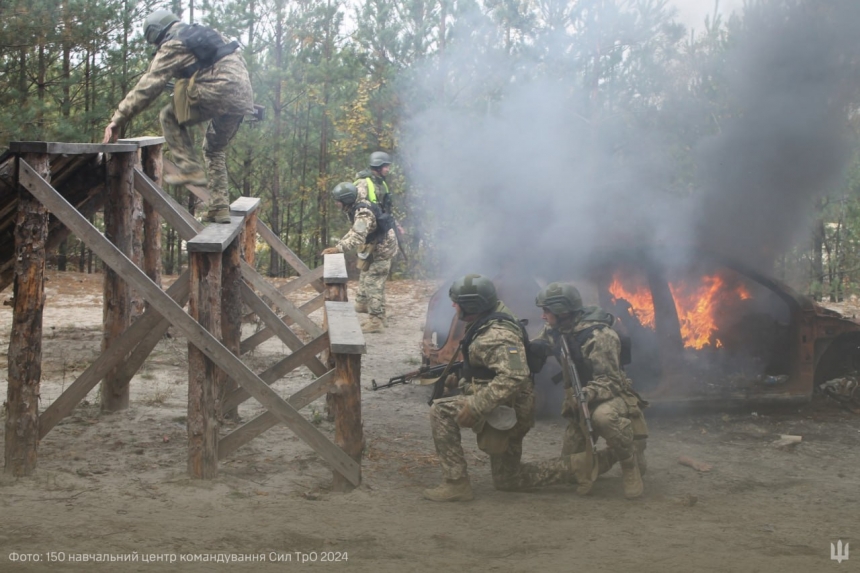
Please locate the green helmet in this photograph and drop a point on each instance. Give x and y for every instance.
(475, 294)
(379, 158)
(559, 298)
(345, 192)
(157, 24)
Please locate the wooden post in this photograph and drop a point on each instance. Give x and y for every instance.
(25, 343)
(152, 166)
(231, 316)
(119, 204)
(346, 348)
(204, 306)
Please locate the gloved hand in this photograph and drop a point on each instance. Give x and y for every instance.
(330, 251)
(466, 418)
(452, 381)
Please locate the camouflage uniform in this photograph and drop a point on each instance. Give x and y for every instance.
(221, 94)
(499, 347)
(615, 411)
(371, 282)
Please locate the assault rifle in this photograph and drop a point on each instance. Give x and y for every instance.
(571, 377)
(423, 372)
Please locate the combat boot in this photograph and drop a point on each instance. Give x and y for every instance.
(196, 176)
(606, 458)
(361, 307)
(217, 214)
(582, 472)
(372, 324)
(631, 478)
(451, 490)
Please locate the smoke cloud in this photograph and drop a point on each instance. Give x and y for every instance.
(528, 158)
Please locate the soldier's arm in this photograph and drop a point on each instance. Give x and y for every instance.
(501, 350)
(170, 59)
(603, 350)
(363, 225)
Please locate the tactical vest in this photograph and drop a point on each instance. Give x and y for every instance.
(584, 367)
(205, 43)
(481, 372)
(384, 221)
(371, 195)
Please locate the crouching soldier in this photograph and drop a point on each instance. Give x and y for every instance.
(616, 413)
(497, 399)
(372, 235)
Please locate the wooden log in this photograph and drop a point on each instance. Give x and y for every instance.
(204, 306)
(201, 338)
(346, 406)
(151, 159)
(117, 295)
(25, 342)
(231, 317)
(334, 292)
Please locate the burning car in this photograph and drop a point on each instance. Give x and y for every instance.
(713, 330)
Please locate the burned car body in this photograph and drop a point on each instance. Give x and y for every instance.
(709, 331)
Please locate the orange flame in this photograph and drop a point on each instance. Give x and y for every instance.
(698, 305)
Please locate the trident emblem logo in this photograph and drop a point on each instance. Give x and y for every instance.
(838, 553)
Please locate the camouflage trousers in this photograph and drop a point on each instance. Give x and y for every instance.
(371, 287)
(219, 133)
(504, 466)
(611, 421)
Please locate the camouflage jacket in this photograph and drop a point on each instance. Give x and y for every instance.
(363, 224)
(221, 89)
(603, 350)
(498, 347)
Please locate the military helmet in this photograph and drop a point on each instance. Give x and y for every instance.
(475, 294)
(345, 192)
(156, 25)
(559, 298)
(379, 158)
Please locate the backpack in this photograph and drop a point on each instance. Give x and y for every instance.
(384, 221)
(206, 44)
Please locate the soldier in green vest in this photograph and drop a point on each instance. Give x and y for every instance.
(371, 183)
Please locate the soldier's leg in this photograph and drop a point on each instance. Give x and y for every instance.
(361, 294)
(220, 132)
(573, 441)
(611, 422)
(446, 437)
(181, 146)
(377, 275)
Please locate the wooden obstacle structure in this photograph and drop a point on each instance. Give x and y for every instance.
(216, 286)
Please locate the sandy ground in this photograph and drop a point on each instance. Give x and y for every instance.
(115, 485)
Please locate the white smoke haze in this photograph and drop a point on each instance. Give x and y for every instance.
(519, 162)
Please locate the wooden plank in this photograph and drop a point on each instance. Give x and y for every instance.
(273, 294)
(285, 252)
(244, 206)
(253, 428)
(214, 238)
(281, 330)
(56, 148)
(143, 141)
(343, 328)
(150, 321)
(280, 369)
(346, 407)
(335, 269)
(231, 318)
(195, 333)
(260, 337)
(174, 214)
(302, 281)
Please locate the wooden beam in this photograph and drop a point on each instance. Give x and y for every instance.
(244, 206)
(25, 341)
(302, 281)
(346, 406)
(280, 369)
(215, 238)
(335, 269)
(140, 335)
(253, 428)
(57, 148)
(260, 337)
(343, 328)
(279, 300)
(152, 166)
(231, 318)
(195, 333)
(143, 141)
